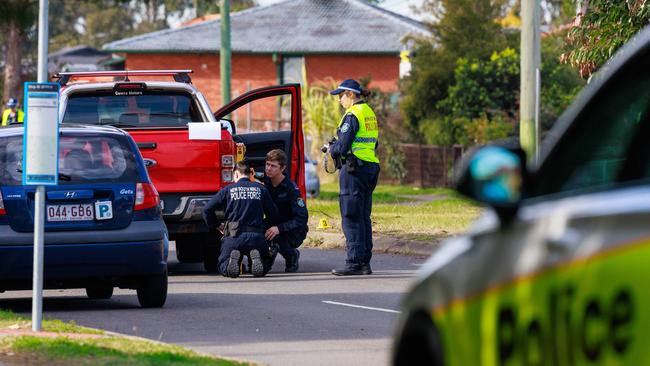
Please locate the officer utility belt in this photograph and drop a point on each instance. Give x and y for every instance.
(233, 229)
(351, 162)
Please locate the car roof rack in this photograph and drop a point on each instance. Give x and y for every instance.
(181, 76)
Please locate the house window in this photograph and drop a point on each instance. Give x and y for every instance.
(293, 69)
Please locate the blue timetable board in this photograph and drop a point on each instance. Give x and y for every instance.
(41, 142)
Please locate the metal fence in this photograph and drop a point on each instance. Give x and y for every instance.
(427, 165)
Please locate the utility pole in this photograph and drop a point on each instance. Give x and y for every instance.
(39, 198)
(530, 63)
(224, 53)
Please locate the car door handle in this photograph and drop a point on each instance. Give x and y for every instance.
(147, 145)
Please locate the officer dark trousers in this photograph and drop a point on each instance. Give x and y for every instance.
(288, 242)
(356, 205)
(244, 242)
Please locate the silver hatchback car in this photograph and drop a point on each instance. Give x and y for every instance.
(554, 271)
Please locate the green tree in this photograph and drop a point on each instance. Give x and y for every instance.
(481, 104)
(464, 28)
(18, 16)
(321, 113)
(484, 87)
(96, 23)
(560, 82)
(600, 29)
(204, 7)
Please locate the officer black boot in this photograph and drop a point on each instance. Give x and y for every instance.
(365, 269)
(273, 252)
(292, 263)
(348, 270)
(258, 267)
(234, 264)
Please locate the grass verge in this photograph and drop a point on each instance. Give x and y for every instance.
(427, 215)
(84, 346)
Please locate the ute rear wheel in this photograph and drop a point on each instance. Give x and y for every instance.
(211, 251)
(152, 292)
(99, 292)
(189, 247)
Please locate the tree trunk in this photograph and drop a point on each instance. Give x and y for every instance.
(13, 68)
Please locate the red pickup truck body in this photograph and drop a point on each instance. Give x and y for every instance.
(186, 172)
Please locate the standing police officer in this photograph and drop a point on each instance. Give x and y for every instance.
(12, 114)
(291, 228)
(357, 140)
(245, 204)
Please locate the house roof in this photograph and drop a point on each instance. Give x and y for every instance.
(78, 58)
(291, 26)
(79, 52)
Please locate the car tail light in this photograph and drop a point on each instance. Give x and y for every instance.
(130, 87)
(227, 161)
(146, 196)
(227, 147)
(2, 206)
(226, 175)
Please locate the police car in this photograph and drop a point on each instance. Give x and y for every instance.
(554, 271)
(103, 222)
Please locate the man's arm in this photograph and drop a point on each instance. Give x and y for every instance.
(270, 209)
(348, 130)
(299, 214)
(218, 201)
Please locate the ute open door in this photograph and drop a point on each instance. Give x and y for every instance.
(270, 118)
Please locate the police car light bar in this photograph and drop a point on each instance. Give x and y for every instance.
(181, 76)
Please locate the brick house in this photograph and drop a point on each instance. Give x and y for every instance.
(273, 44)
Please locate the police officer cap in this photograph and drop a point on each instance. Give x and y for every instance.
(12, 102)
(349, 84)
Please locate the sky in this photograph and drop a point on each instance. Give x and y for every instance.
(397, 6)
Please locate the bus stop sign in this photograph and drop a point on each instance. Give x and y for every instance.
(41, 143)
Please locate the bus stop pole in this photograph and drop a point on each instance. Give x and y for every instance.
(39, 202)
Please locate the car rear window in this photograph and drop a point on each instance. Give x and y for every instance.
(148, 109)
(82, 159)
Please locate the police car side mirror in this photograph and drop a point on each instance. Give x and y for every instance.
(495, 176)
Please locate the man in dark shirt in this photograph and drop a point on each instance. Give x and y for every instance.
(289, 229)
(245, 204)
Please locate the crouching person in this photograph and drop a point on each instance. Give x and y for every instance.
(245, 203)
(289, 228)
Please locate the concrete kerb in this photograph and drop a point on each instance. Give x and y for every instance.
(382, 244)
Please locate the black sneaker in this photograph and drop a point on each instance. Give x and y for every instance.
(233, 264)
(365, 269)
(292, 264)
(348, 271)
(258, 267)
(274, 248)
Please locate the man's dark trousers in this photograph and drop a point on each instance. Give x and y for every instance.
(356, 205)
(288, 242)
(244, 242)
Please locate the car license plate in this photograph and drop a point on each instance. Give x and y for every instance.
(78, 212)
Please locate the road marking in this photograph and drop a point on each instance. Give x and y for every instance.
(362, 307)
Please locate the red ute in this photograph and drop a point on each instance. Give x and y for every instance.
(187, 172)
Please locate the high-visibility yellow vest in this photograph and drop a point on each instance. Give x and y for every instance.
(365, 141)
(7, 112)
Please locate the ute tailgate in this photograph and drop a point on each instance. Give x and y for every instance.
(178, 164)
